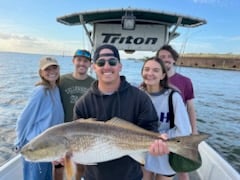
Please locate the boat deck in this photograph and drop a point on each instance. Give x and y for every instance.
(192, 176)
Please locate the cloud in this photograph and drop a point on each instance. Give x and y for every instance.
(17, 37)
(24, 43)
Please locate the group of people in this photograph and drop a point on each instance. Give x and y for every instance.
(57, 99)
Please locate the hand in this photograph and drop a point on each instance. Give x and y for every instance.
(159, 147)
(195, 131)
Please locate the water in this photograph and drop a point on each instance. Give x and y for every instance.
(217, 100)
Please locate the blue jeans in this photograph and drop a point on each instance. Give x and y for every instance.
(37, 171)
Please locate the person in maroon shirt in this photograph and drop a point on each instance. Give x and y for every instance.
(183, 84)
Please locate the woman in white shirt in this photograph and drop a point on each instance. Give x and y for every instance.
(155, 84)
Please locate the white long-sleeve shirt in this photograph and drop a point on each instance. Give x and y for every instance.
(181, 127)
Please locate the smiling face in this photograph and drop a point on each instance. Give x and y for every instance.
(152, 74)
(81, 64)
(167, 58)
(107, 67)
(51, 74)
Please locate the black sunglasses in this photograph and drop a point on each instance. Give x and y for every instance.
(111, 62)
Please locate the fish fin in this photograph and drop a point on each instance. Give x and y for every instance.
(188, 145)
(69, 166)
(139, 157)
(118, 122)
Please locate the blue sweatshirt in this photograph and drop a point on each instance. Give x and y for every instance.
(43, 110)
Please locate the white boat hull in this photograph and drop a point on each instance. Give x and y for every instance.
(214, 167)
(12, 169)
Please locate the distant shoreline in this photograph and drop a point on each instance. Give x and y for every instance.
(212, 61)
(209, 61)
(197, 60)
(211, 55)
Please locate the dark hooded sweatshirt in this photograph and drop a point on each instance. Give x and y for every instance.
(128, 103)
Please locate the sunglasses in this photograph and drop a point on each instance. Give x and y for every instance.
(111, 62)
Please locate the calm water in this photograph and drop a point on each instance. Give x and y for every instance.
(217, 100)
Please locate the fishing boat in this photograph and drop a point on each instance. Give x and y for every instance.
(133, 30)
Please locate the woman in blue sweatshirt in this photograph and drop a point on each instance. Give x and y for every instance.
(43, 110)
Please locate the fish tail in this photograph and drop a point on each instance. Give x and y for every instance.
(189, 146)
(69, 166)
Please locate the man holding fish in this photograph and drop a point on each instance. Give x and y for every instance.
(111, 95)
(111, 148)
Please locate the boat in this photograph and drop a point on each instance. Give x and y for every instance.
(133, 30)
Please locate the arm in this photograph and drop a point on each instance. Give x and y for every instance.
(147, 117)
(28, 117)
(192, 115)
(182, 124)
(189, 100)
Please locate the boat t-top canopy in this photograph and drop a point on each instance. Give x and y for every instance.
(131, 29)
(146, 16)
